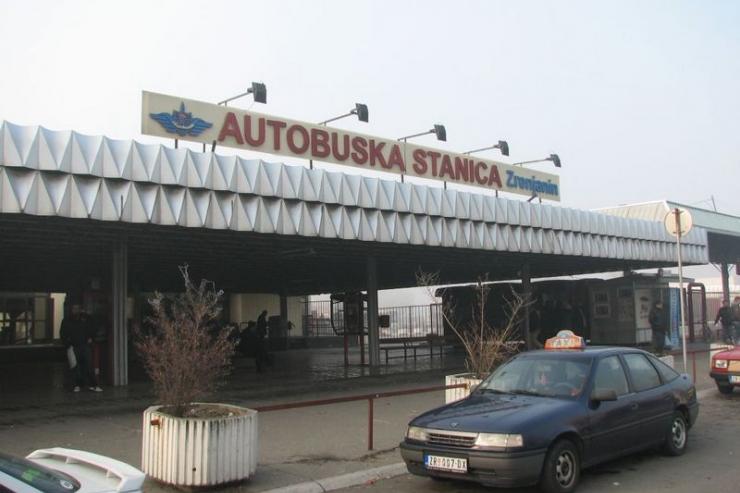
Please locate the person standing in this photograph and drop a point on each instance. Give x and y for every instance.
(77, 332)
(724, 315)
(260, 356)
(658, 325)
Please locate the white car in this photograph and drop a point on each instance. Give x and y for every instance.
(60, 470)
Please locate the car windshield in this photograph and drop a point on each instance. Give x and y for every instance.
(40, 477)
(542, 375)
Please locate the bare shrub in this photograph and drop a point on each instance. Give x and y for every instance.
(486, 346)
(184, 354)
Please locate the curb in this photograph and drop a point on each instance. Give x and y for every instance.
(344, 480)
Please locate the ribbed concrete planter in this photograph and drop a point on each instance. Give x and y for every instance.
(452, 395)
(200, 451)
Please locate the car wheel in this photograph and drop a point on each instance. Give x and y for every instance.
(562, 469)
(724, 388)
(678, 435)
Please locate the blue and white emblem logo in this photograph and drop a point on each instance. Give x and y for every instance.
(181, 122)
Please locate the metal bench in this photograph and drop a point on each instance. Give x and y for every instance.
(412, 345)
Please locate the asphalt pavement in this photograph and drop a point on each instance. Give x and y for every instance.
(312, 450)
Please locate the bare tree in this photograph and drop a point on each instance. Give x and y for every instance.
(185, 354)
(486, 346)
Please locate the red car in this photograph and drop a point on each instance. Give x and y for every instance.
(726, 369)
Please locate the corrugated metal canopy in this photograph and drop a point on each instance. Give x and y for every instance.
(168, 201)
(723, 229)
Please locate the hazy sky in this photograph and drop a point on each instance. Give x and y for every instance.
(640, 99)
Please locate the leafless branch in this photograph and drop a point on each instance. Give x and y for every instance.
(185, 353)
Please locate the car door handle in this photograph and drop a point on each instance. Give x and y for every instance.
(635, 406)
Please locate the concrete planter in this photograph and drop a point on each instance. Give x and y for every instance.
(200, 451)
(452, 395)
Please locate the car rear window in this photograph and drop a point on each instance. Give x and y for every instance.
(37, 476)
(644, 375)
(667, 373)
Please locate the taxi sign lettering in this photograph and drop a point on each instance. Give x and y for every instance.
(565, 339)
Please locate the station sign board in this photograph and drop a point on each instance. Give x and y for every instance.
(198, 121)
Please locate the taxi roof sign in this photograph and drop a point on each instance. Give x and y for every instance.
(565, 339)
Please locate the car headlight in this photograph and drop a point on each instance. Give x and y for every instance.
(720, 363)
(500, 440)
(416, 433)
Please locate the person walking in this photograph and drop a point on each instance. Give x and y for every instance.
(77, 332)
(724, 315)
(658, 325)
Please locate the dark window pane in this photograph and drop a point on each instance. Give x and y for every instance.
(610, 375)
(644, 376)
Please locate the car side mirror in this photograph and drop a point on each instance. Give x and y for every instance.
(603, 395)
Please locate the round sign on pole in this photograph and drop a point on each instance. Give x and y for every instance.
(684, 220)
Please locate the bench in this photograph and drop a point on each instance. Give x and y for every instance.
(412, 345)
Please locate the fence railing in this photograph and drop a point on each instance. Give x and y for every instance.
(370, 398)
(404, 321)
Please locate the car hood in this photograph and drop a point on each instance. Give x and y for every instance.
(495, 413)
(733, 354)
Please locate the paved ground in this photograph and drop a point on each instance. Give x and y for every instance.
(321, 442)
(295, 445)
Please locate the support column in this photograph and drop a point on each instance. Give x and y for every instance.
(372, 311)
(284, 317)
(725, 281)
(527, 295)
(120, 327)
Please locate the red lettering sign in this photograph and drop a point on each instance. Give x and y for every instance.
(231, 128)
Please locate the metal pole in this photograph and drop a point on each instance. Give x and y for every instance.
(725, 281)
(527, 285)
(677, 212)
(372, 312)
(370, 420)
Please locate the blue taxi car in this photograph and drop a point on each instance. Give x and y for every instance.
(545, 415)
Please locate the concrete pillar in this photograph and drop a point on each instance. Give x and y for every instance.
(372, 312)
(527, 295)
(120, 326)
(284, 317)
(724, 268)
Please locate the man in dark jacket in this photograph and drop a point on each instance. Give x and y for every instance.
(657, 320)
(261, 356)
(77, 331)
(724, 315)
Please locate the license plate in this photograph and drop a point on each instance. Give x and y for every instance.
(451, 464)
(734, 378)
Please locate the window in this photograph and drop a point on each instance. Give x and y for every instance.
(667, 373)
(542, 375)
(644, 375)
(610, 375)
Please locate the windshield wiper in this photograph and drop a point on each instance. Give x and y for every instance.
(493, 391)
(526, 392)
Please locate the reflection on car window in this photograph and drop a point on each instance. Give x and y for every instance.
(543, 375)
(38, 476)
(610, 376)
(667, 373)
(644, 376)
